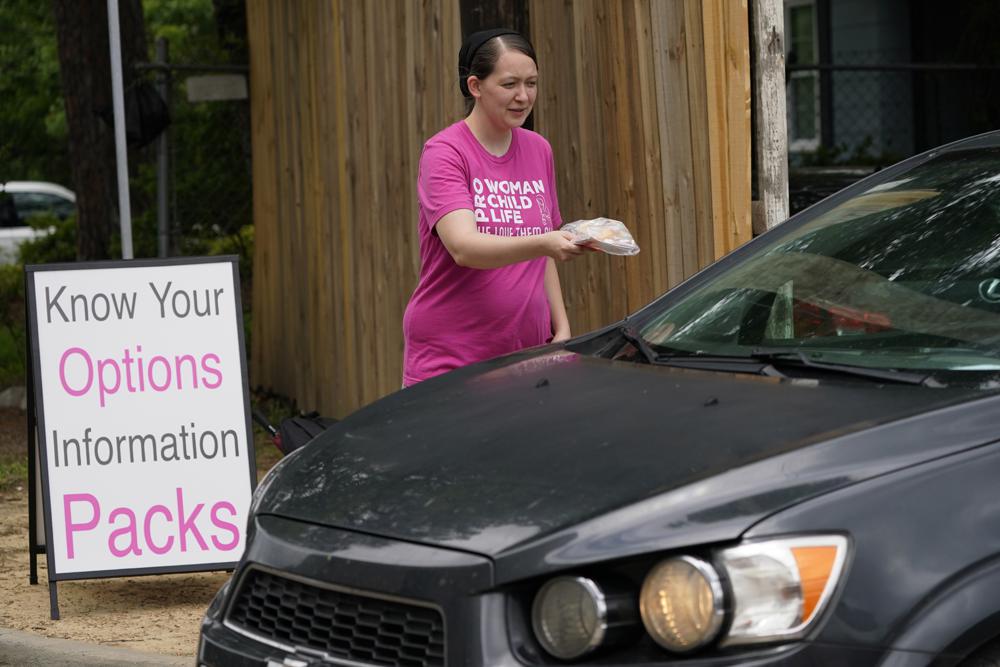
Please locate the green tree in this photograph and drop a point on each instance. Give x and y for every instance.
(210, 139)
(32, 118)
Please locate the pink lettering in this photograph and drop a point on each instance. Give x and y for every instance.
(71, 526)
(129, 530)
(175, 528)
(132, 372)
(106, 389)
(212, 371)
(232, 529)
(186, 524)
(62, 371)
(152, 378)
(156, 549)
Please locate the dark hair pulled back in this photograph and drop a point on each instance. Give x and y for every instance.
(485, 58)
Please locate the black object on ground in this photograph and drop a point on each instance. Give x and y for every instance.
(293, 432)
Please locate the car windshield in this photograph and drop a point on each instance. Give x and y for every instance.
(903, 275)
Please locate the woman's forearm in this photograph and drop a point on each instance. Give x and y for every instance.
(557, 308)
(484, 251)
(475, 250)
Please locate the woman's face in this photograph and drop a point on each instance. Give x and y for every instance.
(507, 95)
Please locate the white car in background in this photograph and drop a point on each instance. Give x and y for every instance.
(21, 200)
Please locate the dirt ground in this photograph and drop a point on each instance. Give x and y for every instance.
(159, 614)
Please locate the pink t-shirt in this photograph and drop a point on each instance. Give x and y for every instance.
(458, 316)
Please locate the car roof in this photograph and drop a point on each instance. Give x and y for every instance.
(40, 187)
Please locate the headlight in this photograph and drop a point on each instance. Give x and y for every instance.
(681, 604)
(569, 616)
(759, 591)
(780, 586)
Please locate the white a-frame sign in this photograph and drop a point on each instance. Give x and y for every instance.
(139, 422)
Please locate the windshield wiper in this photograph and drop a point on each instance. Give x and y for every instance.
(763, 361)
(638, 342)
(669, 356)
(798, 358)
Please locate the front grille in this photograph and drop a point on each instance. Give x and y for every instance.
(337, 623)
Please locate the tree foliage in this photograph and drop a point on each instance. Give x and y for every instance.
(210, 140)
(32, 117)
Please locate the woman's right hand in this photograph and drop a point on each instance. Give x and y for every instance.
(560, 247)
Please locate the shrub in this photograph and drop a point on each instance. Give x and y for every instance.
(12, 330)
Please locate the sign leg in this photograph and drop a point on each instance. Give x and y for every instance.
(32, 528)
(32, 461)
(53, 601)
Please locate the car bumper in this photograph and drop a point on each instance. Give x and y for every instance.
(476, 625)
(221, 647)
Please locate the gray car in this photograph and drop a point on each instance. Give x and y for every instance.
(790, 459)
(22, 200)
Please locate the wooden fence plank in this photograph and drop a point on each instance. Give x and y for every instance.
(675, 132)
(619, 121)
(652, 223)
(737, 45)
(343, 254)
(715, 99)
(699, 130)
(264, 191)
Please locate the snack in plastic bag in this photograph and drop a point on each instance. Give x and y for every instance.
(605, 234)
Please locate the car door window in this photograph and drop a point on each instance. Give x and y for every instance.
(38, 203)
(8, 212)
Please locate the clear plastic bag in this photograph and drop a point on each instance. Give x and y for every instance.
(605, 234)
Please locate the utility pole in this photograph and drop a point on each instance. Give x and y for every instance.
(771, 134)
(121, 150)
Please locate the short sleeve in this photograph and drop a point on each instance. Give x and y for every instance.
(442, 182)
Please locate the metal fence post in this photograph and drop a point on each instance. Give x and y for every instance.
(163, 155)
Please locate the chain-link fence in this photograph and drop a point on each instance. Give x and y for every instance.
(200, 168)
(870, 114)
(878, 113)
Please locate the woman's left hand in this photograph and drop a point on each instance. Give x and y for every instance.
(561, 335)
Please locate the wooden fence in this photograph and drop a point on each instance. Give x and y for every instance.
(646, 104)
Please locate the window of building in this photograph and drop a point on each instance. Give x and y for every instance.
(802, 88)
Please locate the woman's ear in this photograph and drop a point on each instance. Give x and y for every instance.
(473, 83)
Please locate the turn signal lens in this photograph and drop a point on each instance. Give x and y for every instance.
(780, 586)
(815, 565)
(681, 604)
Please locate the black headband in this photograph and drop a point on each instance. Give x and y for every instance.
(468, 51)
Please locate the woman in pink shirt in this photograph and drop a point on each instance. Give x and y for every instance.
(489, 220)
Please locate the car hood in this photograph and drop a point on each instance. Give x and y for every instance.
(559, 453)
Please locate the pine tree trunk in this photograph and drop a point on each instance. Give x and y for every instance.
(85, 70)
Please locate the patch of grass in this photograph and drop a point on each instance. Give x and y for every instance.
(13, 472)
(11, 356)
(11, 325)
